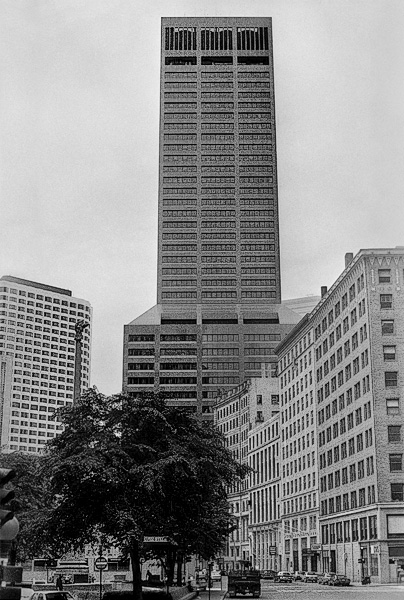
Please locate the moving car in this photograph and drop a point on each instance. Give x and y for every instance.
(339, 580)
(284, 577)
(298, 575)
(268, 574)
(244, 582)
(309, 577)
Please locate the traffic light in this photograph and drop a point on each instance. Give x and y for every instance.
(9, 525)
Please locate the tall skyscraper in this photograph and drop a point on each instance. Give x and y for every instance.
(219, 313)
(37, 354)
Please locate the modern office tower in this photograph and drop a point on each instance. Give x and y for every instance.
(300, 547)
(37, 354)
(248, 417)
(218, 315)
(358, 363)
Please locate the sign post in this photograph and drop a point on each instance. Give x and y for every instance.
(100, 564)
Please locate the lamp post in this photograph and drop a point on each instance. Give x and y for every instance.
(79, 328)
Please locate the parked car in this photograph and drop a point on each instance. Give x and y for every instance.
(52, 595)
(284, 577)
(324, 578)
(298, 575)
(268, 574)
(339, 580)
(26, 591)
(309, 577)
(201, 584)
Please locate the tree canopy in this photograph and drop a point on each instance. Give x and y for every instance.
(30, 487)
(127, 467)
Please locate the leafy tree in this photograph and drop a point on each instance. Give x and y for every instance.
(30, 488)
(127, 467)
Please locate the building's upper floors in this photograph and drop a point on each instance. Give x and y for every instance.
(218, 208)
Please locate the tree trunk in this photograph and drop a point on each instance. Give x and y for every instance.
(136, 571)
(171, 556)
(12, 553)
(179, 569)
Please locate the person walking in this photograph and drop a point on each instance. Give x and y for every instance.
(59, 582)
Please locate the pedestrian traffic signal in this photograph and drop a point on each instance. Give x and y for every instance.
(9, 525)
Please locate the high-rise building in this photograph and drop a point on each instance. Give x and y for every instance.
(218, 315)
(37, 356)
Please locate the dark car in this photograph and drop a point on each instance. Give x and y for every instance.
(340, 580)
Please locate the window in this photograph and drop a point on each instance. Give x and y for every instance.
(386, 301)
(387, 326)
(390, 378)
(397, 492)
(373, 527)
(343, 450)
(394, 433)
(393, 406)
(352, 473)
(354, 530)
(363, 526)
(384, 276)
(389, 352)
(396, 462)
(347, 537)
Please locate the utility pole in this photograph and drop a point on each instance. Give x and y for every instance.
(79, 328)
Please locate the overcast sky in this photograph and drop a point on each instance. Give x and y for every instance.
(79, 112)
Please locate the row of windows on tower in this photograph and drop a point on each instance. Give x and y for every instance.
(244, 119)
(214, 159)
(216, 38)
(217, 75)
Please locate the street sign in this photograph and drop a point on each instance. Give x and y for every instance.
(156, 539)
(100, 563)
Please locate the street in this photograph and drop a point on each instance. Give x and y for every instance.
(310, 591)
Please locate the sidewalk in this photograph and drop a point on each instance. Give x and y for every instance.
(216, 593)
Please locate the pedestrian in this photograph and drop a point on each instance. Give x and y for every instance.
(59, 582)
(148, 576)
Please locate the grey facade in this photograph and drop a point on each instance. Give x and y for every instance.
(219, 313)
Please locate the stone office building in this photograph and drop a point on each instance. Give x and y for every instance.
(218, 315)
(357, 359)
(248, 417)
(299, 458)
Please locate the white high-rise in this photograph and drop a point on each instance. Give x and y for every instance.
(37, 353)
